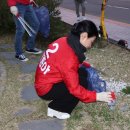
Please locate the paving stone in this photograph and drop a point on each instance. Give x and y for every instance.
(6, 46)
(2, 78)
(54, 124)
(29, 93)
(10, 57)
(25, 77)
(23, 111)
(7, 55)
(28, 68)
(14, 61)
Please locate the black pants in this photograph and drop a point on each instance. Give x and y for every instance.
(62, 100)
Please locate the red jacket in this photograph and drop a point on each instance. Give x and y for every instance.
(60, 63)
(14, 2)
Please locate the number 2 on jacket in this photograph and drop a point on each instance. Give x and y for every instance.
(43, 64)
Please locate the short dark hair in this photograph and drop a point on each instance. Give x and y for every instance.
(85, 26)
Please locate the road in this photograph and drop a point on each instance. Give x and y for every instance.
(118, 10)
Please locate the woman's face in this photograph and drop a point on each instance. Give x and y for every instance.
(85, 41)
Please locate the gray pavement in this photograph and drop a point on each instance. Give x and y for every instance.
(54, 124)
(116, 30)
(29, 94)
(24, 111)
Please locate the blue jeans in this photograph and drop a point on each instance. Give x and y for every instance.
(28, 13)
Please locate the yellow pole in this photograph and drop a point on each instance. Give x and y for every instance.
(102, 20)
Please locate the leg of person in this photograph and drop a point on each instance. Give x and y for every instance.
(83, 10)
(77, 10)
(33, 21)
(62, 103)
(19, 34)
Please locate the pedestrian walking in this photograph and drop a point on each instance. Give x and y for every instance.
(57, 77)
(79, 3)
(24, 8)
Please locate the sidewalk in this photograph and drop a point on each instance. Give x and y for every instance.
(116, 30)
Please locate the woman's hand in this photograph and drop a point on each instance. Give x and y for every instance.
(104, 97)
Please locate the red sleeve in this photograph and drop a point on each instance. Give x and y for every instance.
(11, 2)
(69, 71)
(86, 64)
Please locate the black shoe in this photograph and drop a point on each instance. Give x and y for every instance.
(21, 57)
(34, 51)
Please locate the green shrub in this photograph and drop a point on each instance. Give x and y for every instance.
(6, 21)
(52, 6)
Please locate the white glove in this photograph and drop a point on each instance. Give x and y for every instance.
(14, 10)
(31, 1)
(104, 97)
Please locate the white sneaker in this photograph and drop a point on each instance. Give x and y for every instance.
(57, 114)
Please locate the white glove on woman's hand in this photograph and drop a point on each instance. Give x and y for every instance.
(104, 97)
(14, 10)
